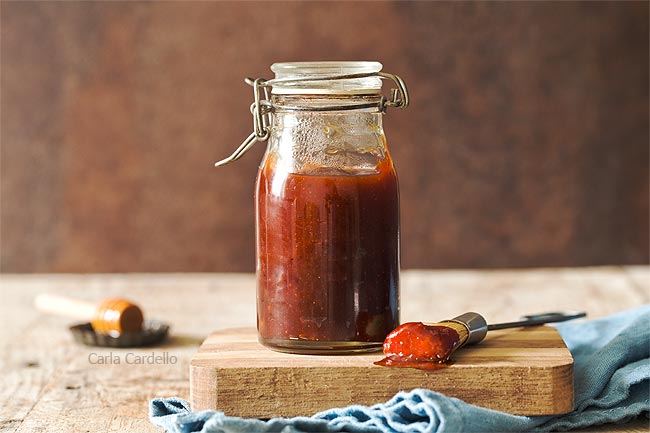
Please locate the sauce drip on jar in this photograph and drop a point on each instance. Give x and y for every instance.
(417, 345)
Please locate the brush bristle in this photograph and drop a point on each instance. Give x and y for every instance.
(461, 329)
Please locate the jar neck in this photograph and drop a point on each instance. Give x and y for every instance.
(360, 112)
(327, 103)
(303, 137)
(324, 119)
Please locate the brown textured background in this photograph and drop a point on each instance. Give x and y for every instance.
(526, 143)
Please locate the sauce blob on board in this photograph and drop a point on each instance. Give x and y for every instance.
(417, 345)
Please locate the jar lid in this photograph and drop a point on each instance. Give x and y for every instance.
(323, 78)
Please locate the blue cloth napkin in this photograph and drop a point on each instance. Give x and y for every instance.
(612, 384)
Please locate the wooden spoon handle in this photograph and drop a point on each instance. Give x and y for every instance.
(63, 306)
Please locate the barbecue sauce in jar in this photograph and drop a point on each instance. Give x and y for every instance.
(417, 345)
(328, 264)
(327, 207)
(327, 210)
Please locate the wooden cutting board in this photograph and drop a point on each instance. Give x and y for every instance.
(520, 371)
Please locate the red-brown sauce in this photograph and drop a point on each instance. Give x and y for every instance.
(417, 345)
(328, 254)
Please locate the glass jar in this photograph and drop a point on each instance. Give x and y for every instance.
(327, 210)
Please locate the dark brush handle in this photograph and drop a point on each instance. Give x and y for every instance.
(539, 319)
(477, 326)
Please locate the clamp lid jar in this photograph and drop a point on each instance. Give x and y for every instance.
(327, 208)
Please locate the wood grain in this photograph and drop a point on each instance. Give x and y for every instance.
(47, 383)
(235, 374)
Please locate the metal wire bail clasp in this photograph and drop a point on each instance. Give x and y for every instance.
(261, 107)
(399, 97)
(261, 111)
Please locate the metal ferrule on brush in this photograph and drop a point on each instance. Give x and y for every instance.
(476, 327)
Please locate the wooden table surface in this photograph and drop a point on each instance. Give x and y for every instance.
(50, 383)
